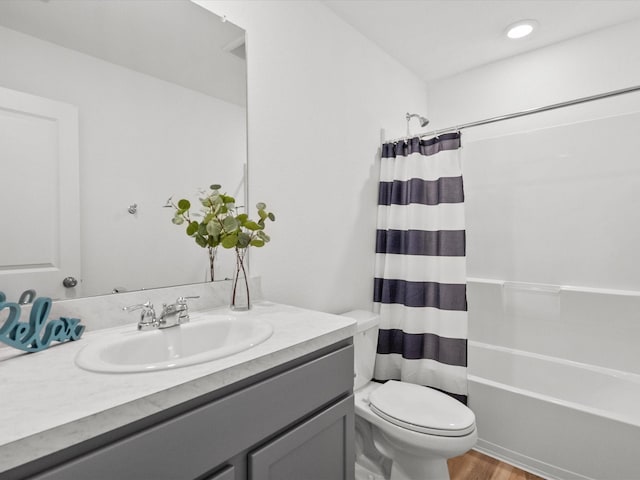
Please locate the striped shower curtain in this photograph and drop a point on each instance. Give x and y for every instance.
(420, 274)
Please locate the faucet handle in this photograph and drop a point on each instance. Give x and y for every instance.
(183, 300)
(147, 316)
(183, 315)
(145, 306)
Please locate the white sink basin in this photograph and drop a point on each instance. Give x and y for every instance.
(207, 338)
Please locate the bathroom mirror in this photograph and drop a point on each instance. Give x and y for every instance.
(158, 92)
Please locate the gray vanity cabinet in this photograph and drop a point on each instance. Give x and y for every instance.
(294, 422)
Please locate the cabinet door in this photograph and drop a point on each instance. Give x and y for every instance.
(322, 448)
(227, 474)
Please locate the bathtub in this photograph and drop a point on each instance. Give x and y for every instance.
(553, 417)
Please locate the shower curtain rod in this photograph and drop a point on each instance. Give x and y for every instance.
(522, 113)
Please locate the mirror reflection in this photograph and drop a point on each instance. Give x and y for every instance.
(108, 109)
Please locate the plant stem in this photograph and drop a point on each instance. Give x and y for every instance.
(212, 256)
(240, 253)
(244, 274)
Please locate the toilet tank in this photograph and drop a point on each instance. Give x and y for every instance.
(365, 342)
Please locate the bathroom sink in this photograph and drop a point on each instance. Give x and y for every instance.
(206, 338)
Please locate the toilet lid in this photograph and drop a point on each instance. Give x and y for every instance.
(421, 409)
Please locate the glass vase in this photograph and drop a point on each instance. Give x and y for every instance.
(240, 294)
(210, 274)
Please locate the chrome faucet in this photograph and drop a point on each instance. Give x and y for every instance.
(171, 315)
(175, 314)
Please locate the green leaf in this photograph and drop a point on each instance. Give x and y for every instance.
(262, 214)
(263, 236)
(256, 242)
(184, 204)
(192, 228)
(230, 224)
(251, 225)
(261, 206)
(178, 220)
(242, 218)
(214, 228)
(243, 240)
(229, 241)
(215, 186)
(272, 217)
(201, 241)
(202, 229)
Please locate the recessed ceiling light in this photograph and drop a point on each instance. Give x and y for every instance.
(521, 29)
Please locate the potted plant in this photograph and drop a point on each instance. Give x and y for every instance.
(219, 223)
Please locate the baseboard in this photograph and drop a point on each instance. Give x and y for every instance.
(528, 464)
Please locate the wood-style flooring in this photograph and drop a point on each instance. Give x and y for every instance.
(476, 466)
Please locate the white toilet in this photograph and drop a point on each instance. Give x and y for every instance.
(403, 431)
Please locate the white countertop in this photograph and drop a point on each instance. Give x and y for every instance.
(47, 403)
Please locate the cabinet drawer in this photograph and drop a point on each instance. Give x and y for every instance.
(193, 443)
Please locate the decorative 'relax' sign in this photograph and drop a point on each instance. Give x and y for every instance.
(37, 334)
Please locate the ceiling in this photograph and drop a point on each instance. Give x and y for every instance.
(439, 38)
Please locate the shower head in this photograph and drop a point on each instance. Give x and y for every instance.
(423, 121)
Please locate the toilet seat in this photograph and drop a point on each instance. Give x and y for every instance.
(421, 409)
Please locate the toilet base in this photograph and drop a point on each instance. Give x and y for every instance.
(363, 473)
(409, 467)
(437, 469)
(371, 464)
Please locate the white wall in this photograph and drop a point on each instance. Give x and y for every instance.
(141, 140)
(319, 95)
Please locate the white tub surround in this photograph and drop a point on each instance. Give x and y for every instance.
(50, 404)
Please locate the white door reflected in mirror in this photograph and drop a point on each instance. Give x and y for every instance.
(41, 216)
